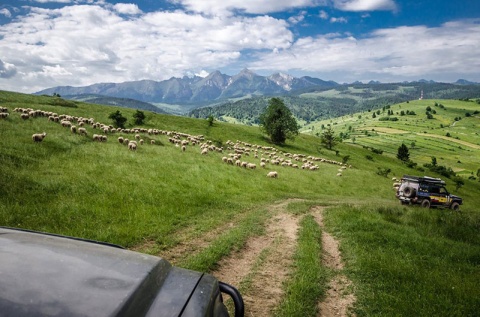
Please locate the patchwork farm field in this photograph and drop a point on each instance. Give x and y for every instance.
(451, 135)
(306, 243)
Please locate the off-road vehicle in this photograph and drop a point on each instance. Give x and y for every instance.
(427, 192)
(49, 275)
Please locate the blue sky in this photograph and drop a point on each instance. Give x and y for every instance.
(47, 43)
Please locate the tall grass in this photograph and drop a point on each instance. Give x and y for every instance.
(410, 261)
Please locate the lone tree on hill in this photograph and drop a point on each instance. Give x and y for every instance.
(139, 117)
(402, 153)
(328, 138)
(278, 122)
(118, 119)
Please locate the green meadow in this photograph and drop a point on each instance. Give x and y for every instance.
(403, 261)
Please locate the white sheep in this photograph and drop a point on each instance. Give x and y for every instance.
(132, 146)
(152, 141)
(205, 151)
(339, 174)
(3, 115)
(38, 137)
(251, 166)
(262, 164)
(272, 174)
(82, 131)
(73, 129)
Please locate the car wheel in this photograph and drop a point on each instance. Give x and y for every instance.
(409, 191)
(455, 206)
(426, 203)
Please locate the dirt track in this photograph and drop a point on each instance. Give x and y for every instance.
(261, 267)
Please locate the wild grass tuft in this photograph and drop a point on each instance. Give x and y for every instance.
(308, 280)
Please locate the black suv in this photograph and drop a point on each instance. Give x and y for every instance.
(427, 192)
(48, 275)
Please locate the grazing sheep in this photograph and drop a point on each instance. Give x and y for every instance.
(339, 174)
(120, 140)
(205, 151)
(24, 116)
(224, 159)
(99, 138)
(38, 137)
(251, 166)
(184, 148)
(82, 131)
(152, 141)
(3, 115)
(262, 164)
(132, 146)
(66, 123)
(137, 136)
(73, 129)
(141, 141)
(272, 174)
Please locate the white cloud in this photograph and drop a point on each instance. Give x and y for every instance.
(127, 8)
(5, 12)
(338, 20)
(297, 18)
(403, 52)
(85, 44)
(53, 1)
(323, 15)
(250, 6)
(365, 5)
(7, 70)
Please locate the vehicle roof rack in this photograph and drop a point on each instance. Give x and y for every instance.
(424, 179)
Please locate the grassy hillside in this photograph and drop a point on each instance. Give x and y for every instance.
(452, 134)
(159, 199)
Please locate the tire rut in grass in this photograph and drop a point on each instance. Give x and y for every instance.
(189, 241)
(339, 298)
(261, 267)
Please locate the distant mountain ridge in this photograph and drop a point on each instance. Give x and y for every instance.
(182, 95)
(196, 90)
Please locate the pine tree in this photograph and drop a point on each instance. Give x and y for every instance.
(328, 138)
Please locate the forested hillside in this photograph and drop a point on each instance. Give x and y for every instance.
(312, 104)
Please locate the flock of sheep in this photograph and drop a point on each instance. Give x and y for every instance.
(235, 153)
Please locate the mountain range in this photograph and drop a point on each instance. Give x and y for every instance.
(196, 90)
(183, 95)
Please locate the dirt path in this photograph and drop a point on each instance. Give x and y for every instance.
(339, 298)
(262, 266)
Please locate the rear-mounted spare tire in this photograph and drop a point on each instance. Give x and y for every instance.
(409, 192)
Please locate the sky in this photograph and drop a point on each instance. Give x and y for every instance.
(48, 43)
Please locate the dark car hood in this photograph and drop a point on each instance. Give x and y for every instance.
(455, 197)
(45, 275)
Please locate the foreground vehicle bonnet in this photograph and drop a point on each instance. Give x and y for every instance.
(47, 275)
